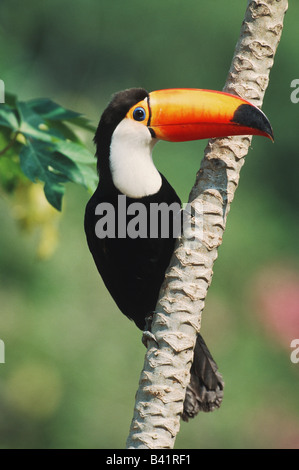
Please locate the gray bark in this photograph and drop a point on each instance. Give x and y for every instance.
(166, 372)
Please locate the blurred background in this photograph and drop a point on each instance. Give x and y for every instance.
(72, 360)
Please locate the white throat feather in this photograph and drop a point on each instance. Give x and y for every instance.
(133, 171)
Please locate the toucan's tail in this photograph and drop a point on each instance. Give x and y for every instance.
(205, 390)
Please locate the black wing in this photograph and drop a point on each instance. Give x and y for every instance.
(132, 269)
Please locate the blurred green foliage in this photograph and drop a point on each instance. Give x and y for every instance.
(72, 360)
(36, 139)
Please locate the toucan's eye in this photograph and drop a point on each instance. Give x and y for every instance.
(139, 114)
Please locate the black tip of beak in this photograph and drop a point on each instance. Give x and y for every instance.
(250, 116)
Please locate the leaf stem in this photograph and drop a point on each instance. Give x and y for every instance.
(11, 143)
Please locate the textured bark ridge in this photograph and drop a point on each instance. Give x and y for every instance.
(166, 372)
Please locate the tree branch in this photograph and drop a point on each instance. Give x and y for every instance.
(166, 372)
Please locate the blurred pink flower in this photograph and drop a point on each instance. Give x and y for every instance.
(276, 291)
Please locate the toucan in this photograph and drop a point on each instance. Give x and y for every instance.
(133, 267)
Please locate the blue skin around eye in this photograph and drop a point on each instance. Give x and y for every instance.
(139, 114)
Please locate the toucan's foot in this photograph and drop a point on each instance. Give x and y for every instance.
(147, 334)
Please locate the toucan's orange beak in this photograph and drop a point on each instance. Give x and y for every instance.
(191, 114)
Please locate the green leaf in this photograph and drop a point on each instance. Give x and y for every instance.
(83, 123)
(54, 193)
(32, 125)
(75, 151)
(90, 176)
(5, 143)
(84, 160)
(8, 117)
(65, 130)
(39, 162)
(49, 150)
(49, 110)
